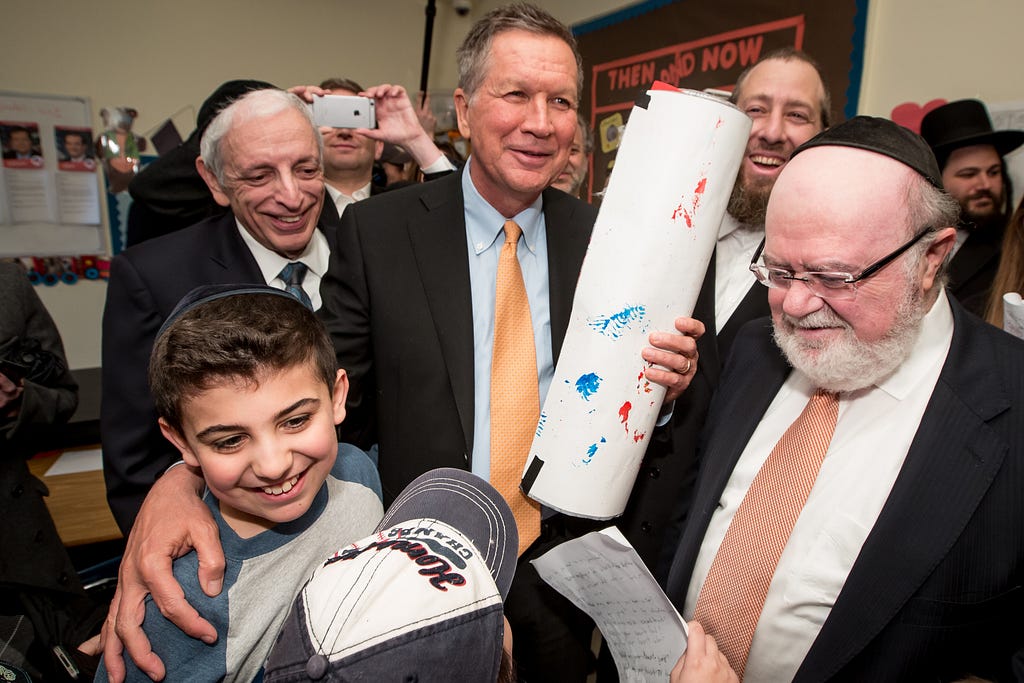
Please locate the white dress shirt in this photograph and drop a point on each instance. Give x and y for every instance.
(341, 200)
(733, 279)
(315, 256)
(873, 433)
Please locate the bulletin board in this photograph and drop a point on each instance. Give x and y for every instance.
(49, 178)
(700, 44)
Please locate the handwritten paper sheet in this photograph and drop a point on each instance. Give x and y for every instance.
(651, 244)
(602, 575)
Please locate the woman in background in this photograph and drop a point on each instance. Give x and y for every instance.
(1010, 276)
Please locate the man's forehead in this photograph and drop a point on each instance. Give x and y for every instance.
(251, 142)
(838, 179)
(974, 154)
(515, 40)
(791, 79)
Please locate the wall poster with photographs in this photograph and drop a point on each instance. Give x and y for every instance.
(49, 177)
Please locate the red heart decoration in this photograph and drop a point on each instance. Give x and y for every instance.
(909, 114)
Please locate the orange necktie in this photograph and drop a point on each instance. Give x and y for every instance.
(515, 398)
(731, 600)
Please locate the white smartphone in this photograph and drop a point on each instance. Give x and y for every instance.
(344, 111)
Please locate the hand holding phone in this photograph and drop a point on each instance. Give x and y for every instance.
(344, 111)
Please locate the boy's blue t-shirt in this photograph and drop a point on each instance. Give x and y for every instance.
(263, 574)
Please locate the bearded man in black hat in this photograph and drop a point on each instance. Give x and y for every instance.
(970, 154)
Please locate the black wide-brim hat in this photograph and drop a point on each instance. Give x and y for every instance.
(964, 123)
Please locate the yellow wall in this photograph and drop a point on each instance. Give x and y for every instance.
(161, 56)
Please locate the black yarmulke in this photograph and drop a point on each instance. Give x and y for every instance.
(882, 136)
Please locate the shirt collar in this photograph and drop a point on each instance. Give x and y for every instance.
(315, 255)
(484, 222)
(730, 225)
(359, 195)
(929, 350)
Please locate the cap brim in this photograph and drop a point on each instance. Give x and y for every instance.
(471, 505)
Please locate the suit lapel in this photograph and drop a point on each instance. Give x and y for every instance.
(568, 229)
(329, 220)
(754, 305)
(438, 239)
(228, 250)
(709, 362)
(948, 469)
(979, 252)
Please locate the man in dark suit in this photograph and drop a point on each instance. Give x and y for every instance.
(970, 154)
(788, 102)
(266, 168)
(410, 298)
(875, 533)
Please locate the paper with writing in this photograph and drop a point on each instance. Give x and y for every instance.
(601, 574)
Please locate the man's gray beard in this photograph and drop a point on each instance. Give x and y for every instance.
(748, 205)
(850, 364)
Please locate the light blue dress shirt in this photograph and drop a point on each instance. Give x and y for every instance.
(485, 236)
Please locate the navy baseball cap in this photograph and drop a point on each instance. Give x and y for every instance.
(421, 599)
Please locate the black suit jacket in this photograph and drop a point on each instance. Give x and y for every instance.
(974, 267)
(669, 467)
(397, 303)
(936, 591)
(146, 282)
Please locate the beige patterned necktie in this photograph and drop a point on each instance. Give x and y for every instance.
(733, 595)
(515, 398)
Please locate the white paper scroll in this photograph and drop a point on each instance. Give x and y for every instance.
(654, 236)
(1013, 314)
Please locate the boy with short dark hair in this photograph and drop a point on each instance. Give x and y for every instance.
(247, 388)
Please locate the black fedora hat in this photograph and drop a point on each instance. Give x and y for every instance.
(963, 123)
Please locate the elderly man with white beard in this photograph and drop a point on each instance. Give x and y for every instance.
(858, 513)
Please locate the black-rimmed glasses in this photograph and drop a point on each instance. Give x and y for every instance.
(827, 285)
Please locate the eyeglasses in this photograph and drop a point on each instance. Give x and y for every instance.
(826, 285)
